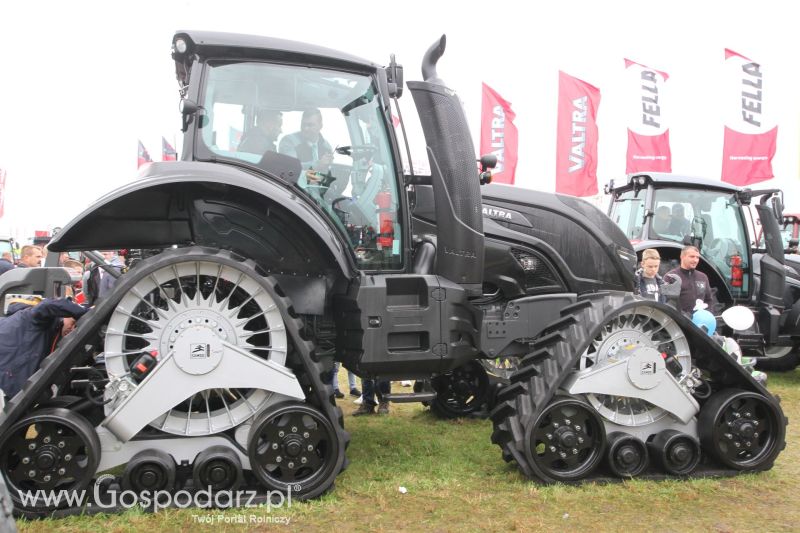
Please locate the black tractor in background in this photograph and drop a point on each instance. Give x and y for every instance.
(207, 365)
(667, 212)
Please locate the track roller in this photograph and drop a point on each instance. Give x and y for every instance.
(217, 468)
(149, 471)
(742, 429)
(675, 452)
(627, 456)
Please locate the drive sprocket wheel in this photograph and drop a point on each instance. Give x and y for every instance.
(199, 295)
(51, 450)
(461, 392)
(743, 430)
(566, 442)
(293, 445)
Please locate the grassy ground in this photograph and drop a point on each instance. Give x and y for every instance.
(456, 481)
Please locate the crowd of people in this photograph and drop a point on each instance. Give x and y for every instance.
(33, 325)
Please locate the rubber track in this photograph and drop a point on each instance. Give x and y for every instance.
(556, 353)
(55, 368)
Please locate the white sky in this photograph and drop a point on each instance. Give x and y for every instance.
(80, 81)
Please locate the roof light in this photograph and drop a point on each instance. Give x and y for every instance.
(181, 46)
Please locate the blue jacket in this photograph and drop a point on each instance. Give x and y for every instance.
(26, 337)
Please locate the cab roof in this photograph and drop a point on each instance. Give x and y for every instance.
(664, 179)
(238, 46)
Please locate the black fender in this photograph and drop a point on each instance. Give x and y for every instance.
(181, 203)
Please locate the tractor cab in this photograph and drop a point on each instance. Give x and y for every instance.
(322, 131)
(671, 212)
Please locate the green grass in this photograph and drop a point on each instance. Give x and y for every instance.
(457, 481)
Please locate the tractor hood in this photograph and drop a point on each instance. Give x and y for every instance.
(593, 251)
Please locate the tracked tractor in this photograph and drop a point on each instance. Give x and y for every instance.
(715, 220)
(207, 366)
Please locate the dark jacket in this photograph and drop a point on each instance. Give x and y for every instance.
(694, 286)
(639, 286)
(26, 338)
(5, 266)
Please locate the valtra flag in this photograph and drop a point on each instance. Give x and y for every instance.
(168, 153)
(576, 142)
(750, 130)
(144, 156)
(499, 135)
(2, 191)
(648, 132)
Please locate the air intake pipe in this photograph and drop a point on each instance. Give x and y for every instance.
(454, 175)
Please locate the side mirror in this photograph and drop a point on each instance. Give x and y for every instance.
(777, 208)
(488, 162)
(187, 109)
(394, 76)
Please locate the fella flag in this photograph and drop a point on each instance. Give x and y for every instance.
(499, 135)
(2, 191)
(648, 133)
(576, 143)
(144, 156)
(168, 153)
(750, 131)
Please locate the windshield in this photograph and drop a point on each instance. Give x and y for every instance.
(323, 131)
(627, 212)
(713, 219)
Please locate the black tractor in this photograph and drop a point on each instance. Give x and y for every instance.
(208, 364)
(668, 212)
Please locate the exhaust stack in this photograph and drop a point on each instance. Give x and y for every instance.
(454, 175)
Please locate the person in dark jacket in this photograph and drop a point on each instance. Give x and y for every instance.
(6, 263)
(646, 281)
(28, 333)
(694, 284)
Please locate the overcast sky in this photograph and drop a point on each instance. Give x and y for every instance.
(81, 81)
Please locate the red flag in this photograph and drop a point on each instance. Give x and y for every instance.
(144, 156)
(750, 131)
(2, 191)
(499, 135)
(648, 133)
(576, 143)
(168, 153)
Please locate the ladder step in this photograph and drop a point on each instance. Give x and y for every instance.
(410, 397)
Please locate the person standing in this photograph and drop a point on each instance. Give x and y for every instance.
(368, 403)
(694, 284)
(646, 282)
(98, 281)
(30, 256)
(6, 263)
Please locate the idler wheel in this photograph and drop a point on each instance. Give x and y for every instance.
(293, 446)
(53, 449)
(566, 442)
(742, 430)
